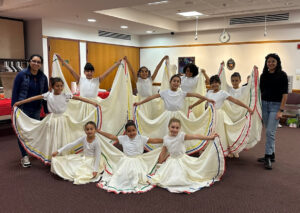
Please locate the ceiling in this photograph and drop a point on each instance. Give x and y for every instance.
(139, 16)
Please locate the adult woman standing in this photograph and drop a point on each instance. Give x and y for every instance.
(274, 91)
(28, 83)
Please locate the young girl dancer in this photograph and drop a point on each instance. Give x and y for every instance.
(44, 137)
(80, 168)
(89, 85)
(219, 96)
(130, 171)
(190, 80)
(236, 91)
(143, 79)
(182, 173)
(174, 98)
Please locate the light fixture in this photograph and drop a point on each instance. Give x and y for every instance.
(124, 27)
(190, 13)
(91, 20)
(149, 31)
(157, 2)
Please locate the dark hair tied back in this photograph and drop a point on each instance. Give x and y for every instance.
(214, 78)
(129, 123)
(89, 66)
(140, 70)
(236, 74)
(54, 80)
(175, 76)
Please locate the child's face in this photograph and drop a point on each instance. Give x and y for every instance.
(90, 130)
(58, 88)
(175, 83)
(89, 74)
(215, 86)
(174, 128)
(144, 73)
(131, 132)
(235, 81)
(188, 73)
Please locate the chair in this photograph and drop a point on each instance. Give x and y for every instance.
(292, 106)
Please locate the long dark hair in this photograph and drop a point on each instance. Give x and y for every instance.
(35, 55)
(276, 57)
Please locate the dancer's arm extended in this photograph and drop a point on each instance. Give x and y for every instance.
(200, 137)
(68, 66)
(109, 70)
(108, 135)
(85, 100)
(158, 67)
(238, 102)
(201, 97)
(155, 140)
(147, 99)
(34, 98)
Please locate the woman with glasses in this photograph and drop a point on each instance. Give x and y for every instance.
(28, 83)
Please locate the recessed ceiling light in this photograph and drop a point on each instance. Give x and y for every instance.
(157, 2)
(91, 20)
(149, 31)
(191, 13)
(124, 27)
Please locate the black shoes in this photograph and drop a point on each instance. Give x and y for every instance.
(268, 164)
(262, 160)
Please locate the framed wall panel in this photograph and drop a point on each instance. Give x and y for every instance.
(69, 51)
(103, 56)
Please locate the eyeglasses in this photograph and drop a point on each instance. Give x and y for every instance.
(36, 62)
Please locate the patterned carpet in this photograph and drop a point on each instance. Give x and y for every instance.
(245, 187)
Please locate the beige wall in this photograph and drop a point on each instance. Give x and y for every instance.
(245, 55)
(11, 39)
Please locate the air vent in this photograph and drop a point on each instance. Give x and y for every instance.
(114, 35)
(258, 19)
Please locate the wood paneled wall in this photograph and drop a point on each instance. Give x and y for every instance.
(69, 51)
(103, 56)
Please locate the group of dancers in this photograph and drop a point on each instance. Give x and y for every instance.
(78, 139)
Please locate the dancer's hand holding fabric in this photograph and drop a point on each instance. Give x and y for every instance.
(95, 174)
(54, 154)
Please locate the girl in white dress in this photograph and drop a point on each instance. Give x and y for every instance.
(190, 78)
(129, 171)
(41, 138)
(144, 79)
(182, 173)
(219, 96)
(80, 168)
(236, 91)
(89, 85)
(173, 97)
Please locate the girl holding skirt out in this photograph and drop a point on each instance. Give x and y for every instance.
(182, 173)
(80, 168)
(129, 171)
(42, 138)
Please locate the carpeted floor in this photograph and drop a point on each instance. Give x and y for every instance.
(245, 187)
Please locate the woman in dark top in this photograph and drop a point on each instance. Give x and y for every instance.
(274, 91)
(28, 83)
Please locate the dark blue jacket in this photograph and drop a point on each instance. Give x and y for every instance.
(27, 85)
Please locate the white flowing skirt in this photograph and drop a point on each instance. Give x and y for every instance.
(185, 174)
(76, 168)
(126, 174)
(41, 138)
